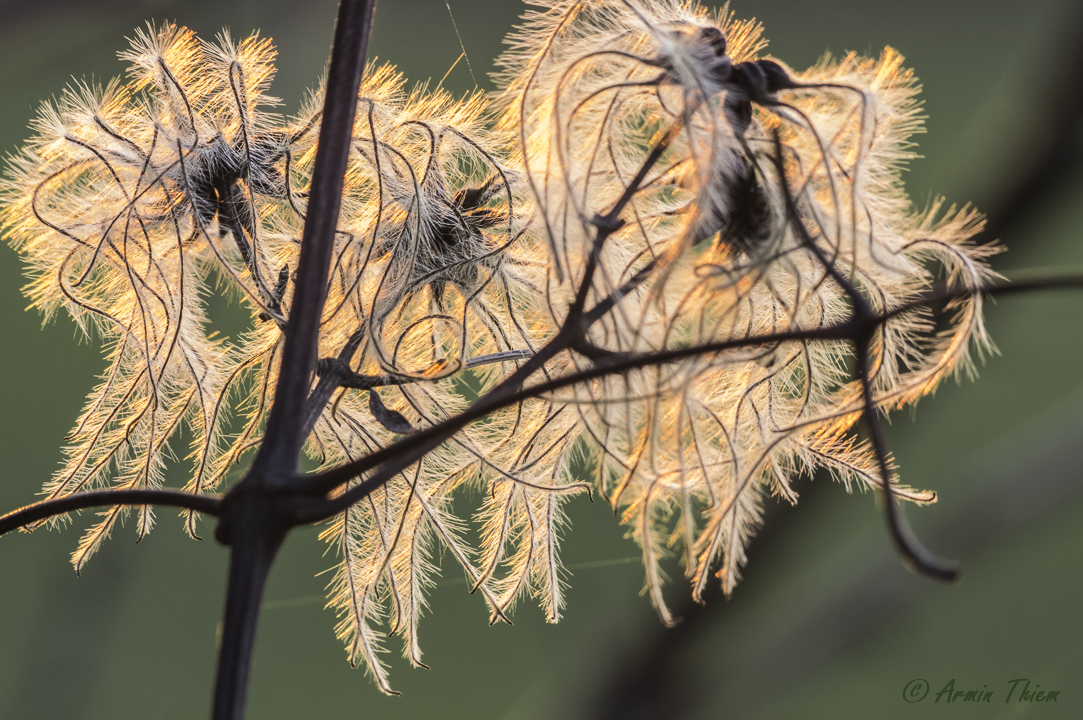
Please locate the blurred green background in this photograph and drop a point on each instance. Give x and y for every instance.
(827, 623)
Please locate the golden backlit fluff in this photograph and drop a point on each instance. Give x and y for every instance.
(133, 196)
(433, 274)
(756, 198)
(113, 205)
(770, 182)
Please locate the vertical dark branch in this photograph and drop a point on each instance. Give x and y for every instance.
(282, 442)
(256, 536)
(251, 520)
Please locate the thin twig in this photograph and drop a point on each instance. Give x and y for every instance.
(916, 556)
(30, 514)
(359, 381)
(1025, 281)
(329, 382)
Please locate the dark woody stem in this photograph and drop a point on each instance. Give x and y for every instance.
(257, 534)
(276, 461)
(253, 518)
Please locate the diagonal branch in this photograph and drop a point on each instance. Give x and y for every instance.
(403, 453)
(572, 334)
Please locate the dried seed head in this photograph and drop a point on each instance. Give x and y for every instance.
(655, 196)
(771, 205)
(115, 205)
